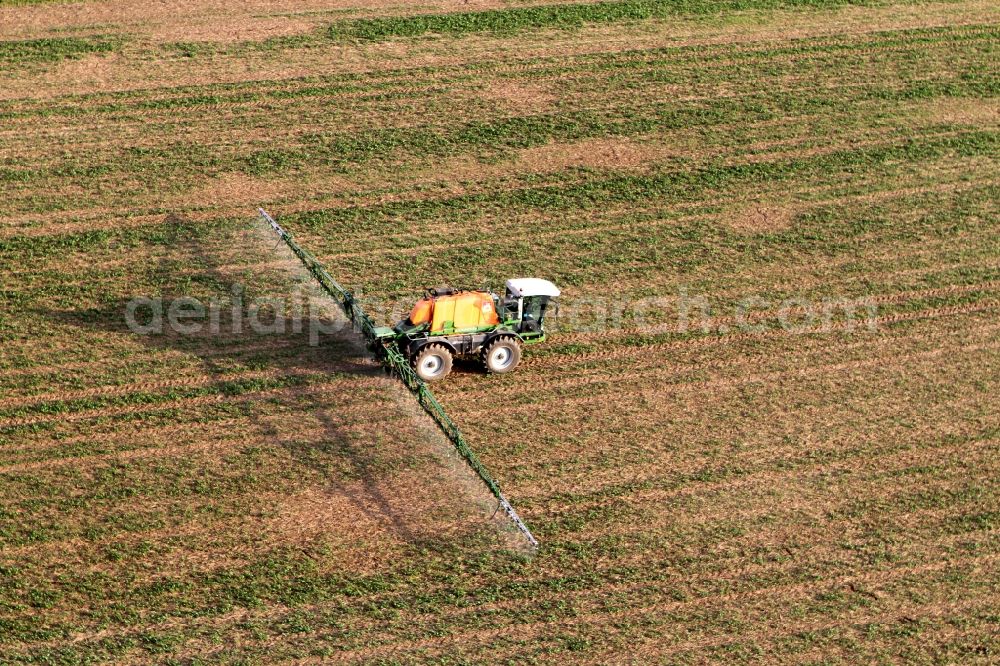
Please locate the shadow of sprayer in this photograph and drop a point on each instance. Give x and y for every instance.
(366, 467)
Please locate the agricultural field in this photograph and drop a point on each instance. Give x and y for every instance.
(812, 479)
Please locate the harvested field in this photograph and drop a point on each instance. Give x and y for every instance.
(763, 430)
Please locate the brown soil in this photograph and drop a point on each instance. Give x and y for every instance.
(521, 97)
(963, 111)
(233, 191)
(764, 218)
(616, 153)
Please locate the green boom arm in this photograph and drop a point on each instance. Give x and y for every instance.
(391, 357)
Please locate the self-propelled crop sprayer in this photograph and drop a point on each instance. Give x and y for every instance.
(447, 322)
(443, 324)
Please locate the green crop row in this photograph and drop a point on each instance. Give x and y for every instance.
(344, 149)
(403, 81)
(17, 3)
(561, 16)
(669, 184)
(55, 48)
(232, 388)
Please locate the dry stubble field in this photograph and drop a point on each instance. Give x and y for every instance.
(701, 495)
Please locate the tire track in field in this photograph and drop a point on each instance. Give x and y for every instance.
(895, 298)
(644, 226)
(868, 56)
(329, 386)
(720, 340)
(815, 278)
(786, 635)
(187, 526)
(800, 282)
(221, 444)
(711, 93)
(759, 360)
(354, 408)
(329, 366)
(630, 353)
(575, 256)
(774, 526)
(759, 378)
(890, 462)
(616, 461)
(648, 225)
(40, 399)
(224, 439)
(207, 115)
(651, 397)
(812, 445)
(744, 571)
(779, 632)
(530, 629)
(121, 435)
(761, 478)
(126, 435)
(180, 361)
(165, 355)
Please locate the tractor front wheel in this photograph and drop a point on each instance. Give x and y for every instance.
(432, 363)
(502, 355)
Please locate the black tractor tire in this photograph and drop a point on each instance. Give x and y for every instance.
(502, 355)
(432, 363)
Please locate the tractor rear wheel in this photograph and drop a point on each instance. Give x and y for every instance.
(432, 363)
(502, 355)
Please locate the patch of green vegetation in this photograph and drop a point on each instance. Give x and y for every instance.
(55, 48)
(16, 3)
(189, 49)
(230, 388)
(21, 249)
(562, 16)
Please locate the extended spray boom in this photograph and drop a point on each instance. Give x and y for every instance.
(392, 359)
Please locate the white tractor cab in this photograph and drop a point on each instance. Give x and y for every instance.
(524, 304)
